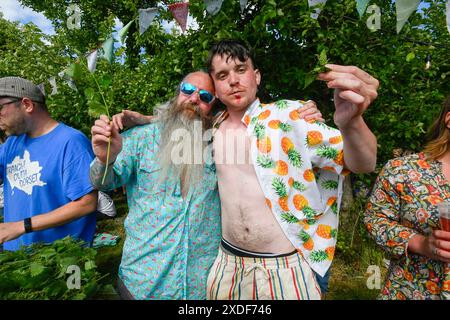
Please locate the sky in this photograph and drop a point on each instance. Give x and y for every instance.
(13, 11)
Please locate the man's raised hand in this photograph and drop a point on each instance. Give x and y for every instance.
(101, 131)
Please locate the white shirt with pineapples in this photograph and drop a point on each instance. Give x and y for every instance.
(299, 166)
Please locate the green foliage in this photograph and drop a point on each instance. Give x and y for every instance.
(40, 271)
(289, 46)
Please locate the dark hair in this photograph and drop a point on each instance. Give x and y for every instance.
(232, 49)
(439, 134)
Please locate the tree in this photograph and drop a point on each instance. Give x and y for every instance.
(287, 44)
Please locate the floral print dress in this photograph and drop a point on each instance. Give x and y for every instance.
(403, 203)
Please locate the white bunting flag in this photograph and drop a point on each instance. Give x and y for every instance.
(107, 50)
(146, 17)
(316, 12)
(52, 81)
(180, 13)
(123, 32)
(448, 15)
(213, 6)
(92, 60)
(243, 4)
(68, 79)
(361, 6)
(404, 9)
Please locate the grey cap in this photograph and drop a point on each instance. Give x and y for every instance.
(19, 88)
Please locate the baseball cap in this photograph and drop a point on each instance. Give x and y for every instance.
(19, 88)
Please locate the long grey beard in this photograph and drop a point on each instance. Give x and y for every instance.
(182, 149)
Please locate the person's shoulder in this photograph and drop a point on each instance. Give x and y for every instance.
(70, 131)
(141, 132)
(283, 104)
(406, 162)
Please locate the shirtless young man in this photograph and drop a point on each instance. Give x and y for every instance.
(280, 189)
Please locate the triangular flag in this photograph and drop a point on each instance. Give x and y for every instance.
(92, 60)
(361, 6)
(52, 82)
(107, 50)
(63, 74)
(243, 4)
(41, 87)
(213, 6)
(316, 12)
(448, 15)
(123, 32)
(146, 17)
(404, 9)
(180, 12)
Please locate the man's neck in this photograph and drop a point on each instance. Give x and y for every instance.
(41, 126)
(235, 116)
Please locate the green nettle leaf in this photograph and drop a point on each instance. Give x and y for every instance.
(36, 269)
(88, 265)
(309, 78)
(34, 272)
(410, 56)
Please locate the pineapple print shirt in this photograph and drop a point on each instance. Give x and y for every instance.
(299, 166)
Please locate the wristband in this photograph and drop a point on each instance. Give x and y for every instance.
(27, 225)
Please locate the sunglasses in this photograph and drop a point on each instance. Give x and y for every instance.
(188, 89)
(9, 102)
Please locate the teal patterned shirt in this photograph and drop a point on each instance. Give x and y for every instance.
(170, 242)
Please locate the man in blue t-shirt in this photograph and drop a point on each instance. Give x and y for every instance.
(45, 168)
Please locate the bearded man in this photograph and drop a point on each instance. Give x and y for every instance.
(173, 226)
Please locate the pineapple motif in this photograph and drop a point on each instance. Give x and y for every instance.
(308, 175)
(314, 138)
(306, 223)
(294, 115)
(333, 204)
(318, 256)
(329, 185)
(247, 120)
(277, 124)
(281, 105)
(335, 140)
(265, 162)
(309, 212)
(340, 158)
(280, 189)
(330, 153)
(326, 232)
(308, 242)
(293, 155)
(263, 143)
(279, 167)
(269, 204)
(296, 185)
(300, 202)
(289, 217)
(330, 252)
(264, 115)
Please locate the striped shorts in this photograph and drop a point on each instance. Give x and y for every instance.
(243, 278)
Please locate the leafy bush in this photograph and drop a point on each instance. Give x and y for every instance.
(39, 272)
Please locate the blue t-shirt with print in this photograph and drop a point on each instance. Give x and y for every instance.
(42, 174)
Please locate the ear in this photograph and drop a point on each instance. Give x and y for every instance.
(28, 105)
(447, 119)
(257, 76)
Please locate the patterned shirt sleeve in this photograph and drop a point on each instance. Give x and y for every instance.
(383, 213)
(325, 146)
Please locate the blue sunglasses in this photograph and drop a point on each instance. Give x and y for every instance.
(188, 89)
